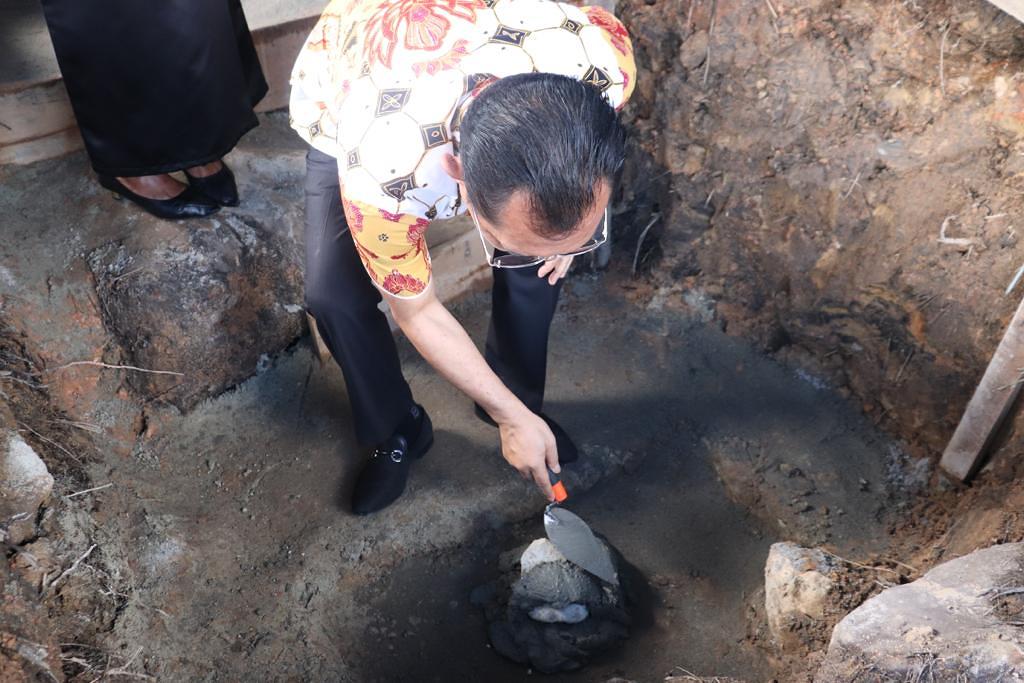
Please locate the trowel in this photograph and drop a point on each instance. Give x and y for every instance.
(573, 537)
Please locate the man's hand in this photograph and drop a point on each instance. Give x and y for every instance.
(529, 446)
(526, 440)
(557, 267)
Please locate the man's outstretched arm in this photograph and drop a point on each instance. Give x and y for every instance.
(526, 441)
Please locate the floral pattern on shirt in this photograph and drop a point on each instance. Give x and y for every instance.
(381, 86)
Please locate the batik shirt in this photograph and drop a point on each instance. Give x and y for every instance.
(382, 86)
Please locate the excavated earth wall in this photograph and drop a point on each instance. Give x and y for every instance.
(840, 181)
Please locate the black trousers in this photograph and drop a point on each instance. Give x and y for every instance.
(156, 86)
(343, 301)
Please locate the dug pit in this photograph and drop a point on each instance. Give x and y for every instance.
(779, 351)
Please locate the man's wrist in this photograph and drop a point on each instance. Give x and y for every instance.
(507, 410)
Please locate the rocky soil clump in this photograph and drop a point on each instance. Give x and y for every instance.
(61, 591)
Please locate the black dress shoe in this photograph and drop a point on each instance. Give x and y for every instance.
(189, 204)
(383, 478)
(567, 451)
(220, 187)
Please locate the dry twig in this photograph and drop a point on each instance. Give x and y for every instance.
(690, 676)
(85, 426)
(113, 593)
(775, 16)
(640, 241)
(70, 569)
(52, 443)
(852, 185)
(98, 364)
(904, 366)
(942, 61)
(1014, 281)
(868, 566)
(95, 488)
(128, 274)
(711, 32)
(955, 241)
(123, 669)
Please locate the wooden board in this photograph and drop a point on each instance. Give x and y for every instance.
(989, 405)
(1015, 8)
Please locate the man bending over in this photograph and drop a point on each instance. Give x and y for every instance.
(422, 110)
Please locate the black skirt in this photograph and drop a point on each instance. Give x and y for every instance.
(156, 86)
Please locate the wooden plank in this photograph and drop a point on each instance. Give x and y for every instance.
(34, 112)
(989, 405)
(1015, 8)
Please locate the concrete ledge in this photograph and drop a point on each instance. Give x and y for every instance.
(459, 262)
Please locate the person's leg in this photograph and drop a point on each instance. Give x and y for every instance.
(517, 341)
(156, 87)
(343, 301)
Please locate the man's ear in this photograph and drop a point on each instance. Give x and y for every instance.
(452, 166)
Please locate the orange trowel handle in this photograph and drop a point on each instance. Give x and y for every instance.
(557, 487)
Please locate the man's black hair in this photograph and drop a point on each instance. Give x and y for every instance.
(552, 136)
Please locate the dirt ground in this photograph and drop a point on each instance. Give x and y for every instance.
(780, 355)
(230, 551)
(838, 181)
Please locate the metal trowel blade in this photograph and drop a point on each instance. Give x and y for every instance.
(577, 543)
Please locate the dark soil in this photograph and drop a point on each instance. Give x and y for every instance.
(234, 553)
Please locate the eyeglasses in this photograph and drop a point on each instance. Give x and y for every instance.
(511, 260)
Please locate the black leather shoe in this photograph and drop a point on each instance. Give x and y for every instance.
(567, 451)
(189, 204)
(383, 478)
(220, 187)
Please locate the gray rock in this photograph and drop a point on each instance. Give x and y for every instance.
(540, 551)
(945, 624)
(206, 301)
(25, 484)
(797, 582)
